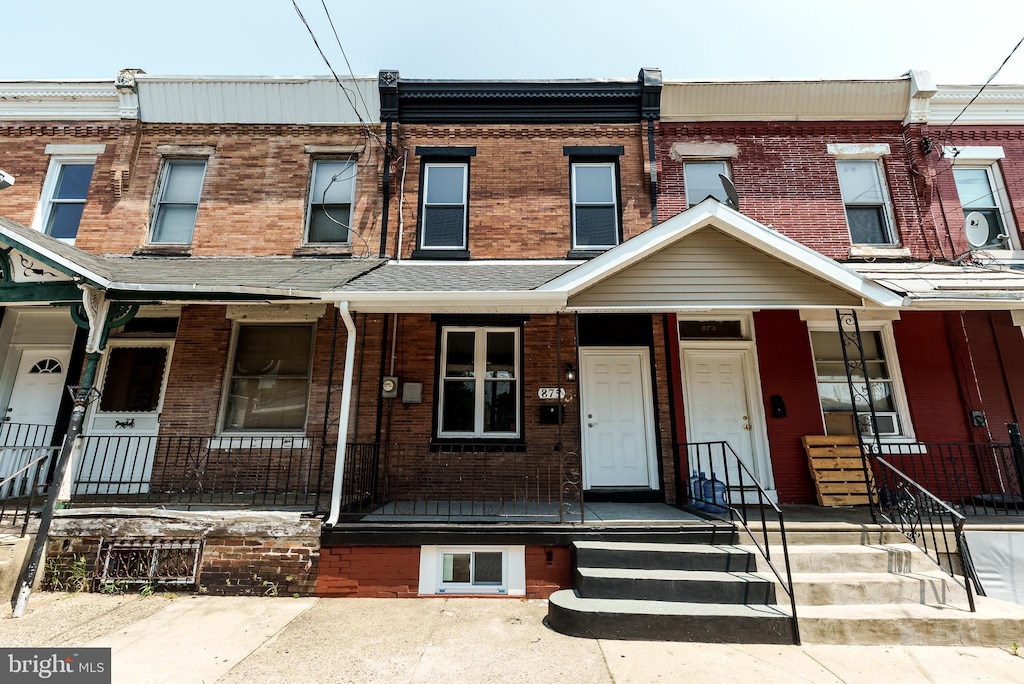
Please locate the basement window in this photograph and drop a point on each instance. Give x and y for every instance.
(497, 570)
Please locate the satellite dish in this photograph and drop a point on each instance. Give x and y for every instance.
(977, 230)
(730, 192)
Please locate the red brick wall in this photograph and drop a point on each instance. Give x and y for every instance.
(786, 178)
(393, 571)
(519, 203)
(787, 369)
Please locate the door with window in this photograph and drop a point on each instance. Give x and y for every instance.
(617, 418)
(123, 424)
(31, 413)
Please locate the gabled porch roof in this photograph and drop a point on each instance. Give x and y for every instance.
(43, 269)
(711, 256)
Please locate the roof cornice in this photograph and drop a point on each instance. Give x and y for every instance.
(997, 105)
(59, 101)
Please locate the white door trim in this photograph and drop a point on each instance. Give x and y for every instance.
(653, 481)
(755, 406)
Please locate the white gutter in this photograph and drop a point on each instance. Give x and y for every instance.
(346, 403)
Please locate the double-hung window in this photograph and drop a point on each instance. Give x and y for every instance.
(595, 206)
(479, 394)
(868, 212)
(702, 181)
(331, 194)
(268, 388)
(988, 223)
(443, 214)
(66, 189)
(174, 216)
(882, 384)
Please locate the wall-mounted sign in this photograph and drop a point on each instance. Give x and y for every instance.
(551, 393)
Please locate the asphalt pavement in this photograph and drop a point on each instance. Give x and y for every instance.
(186, 638)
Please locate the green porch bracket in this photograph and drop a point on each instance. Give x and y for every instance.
(117, 315)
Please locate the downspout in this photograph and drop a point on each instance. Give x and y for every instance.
(346, 404)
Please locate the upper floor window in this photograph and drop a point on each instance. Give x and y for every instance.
(331, 195)
(868, 212)
(268, 388)
(595, 206)
(180, 185)
(64, 196)
(479, 394)
(702, 181)
(445, 198)
(986, 222)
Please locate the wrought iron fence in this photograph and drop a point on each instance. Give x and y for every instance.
(925, 520)
(738, 497)
(462, 481)
(26, 452)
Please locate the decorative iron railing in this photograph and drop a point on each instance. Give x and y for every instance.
(462, 481)
(925, 520)
(738, 497)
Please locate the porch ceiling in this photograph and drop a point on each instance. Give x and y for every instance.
(711, 256)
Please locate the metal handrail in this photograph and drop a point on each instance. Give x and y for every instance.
(905, 505)
(716, 507)
(28, 465)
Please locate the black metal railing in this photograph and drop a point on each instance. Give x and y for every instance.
(975, 479)
(26, 452)
(738, 497)
(925, 520)
(462, 481)
(199, 470)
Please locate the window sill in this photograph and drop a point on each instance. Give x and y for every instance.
(476, 445)
(323, 251)
(878, 252)
(585, 253)
(441, 254)
(163, 250)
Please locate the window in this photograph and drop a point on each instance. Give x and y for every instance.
(702, 181)
(595, 210)
(479, 394)
(975, 187)
(134, 379)
(64, 195)
(867, 205)
(834, 389)
(473, 570)
(443, 216)
(268, 387)
(180, 186)
(331, 193)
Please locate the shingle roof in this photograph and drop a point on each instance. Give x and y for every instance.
(488, 276)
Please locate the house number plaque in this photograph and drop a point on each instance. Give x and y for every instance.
(551, 393)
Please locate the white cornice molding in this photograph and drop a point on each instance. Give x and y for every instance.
(997, 104)
(59, 101)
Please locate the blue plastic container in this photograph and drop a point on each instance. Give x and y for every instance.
(715, 494)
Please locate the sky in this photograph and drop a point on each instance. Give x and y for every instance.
(958, 41)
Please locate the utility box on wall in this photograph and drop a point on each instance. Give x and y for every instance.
(551, 414)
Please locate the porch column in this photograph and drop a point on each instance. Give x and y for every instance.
(343, 416)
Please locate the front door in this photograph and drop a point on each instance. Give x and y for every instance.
(720, 407)
(124, 423)
(617, 418)
(31, 411)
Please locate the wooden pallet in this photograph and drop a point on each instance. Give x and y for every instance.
(837, 469)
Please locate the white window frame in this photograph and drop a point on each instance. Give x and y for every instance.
(161, 186)
(614, 204)
(222, 427)
(479, 366)
(432, 571)
(817, 323)
(886, 204)
(425, 208)
(314, 201)
(987, 158)
(690, 201)
(46, 200)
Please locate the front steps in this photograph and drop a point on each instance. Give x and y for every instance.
(668, 592)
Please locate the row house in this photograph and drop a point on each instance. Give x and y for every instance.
(466, 323)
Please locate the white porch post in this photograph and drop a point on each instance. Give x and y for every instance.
(343, 417)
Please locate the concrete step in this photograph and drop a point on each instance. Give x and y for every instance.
(997, 623)
(823, 558)
(874, 588)
(691, 586)
(648, 556)
(627, 619)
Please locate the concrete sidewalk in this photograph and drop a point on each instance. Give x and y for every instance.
(211, 639)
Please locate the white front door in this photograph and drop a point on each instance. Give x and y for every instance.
(720, 407)
(617, 418)
(124, 423)
(32, 410)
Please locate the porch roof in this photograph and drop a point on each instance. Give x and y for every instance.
(940, 286)
(175, 278)
(713, 256)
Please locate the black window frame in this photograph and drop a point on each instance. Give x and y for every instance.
(443, 156)
(593, 155)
